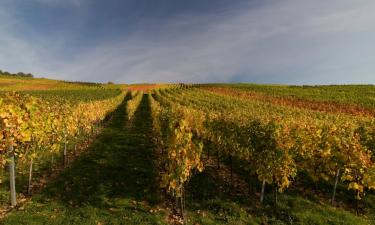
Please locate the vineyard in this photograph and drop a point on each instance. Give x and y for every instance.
(186, 154)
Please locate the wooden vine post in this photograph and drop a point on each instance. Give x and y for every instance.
(12, 177)
(262, 191)
(65, 153)
(29, 187)
(335, 186)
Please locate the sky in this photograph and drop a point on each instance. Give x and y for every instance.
(195, 41)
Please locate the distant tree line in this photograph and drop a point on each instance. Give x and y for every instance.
(19, 74)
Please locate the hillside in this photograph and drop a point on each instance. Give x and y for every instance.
(181, 153)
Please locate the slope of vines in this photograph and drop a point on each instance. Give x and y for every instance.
(277, 142)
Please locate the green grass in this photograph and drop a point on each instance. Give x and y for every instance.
(361, 95)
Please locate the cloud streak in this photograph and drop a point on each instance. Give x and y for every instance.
(275, 42)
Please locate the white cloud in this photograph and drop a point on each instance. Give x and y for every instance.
(285, 41)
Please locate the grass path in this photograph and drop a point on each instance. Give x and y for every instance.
(114, 182)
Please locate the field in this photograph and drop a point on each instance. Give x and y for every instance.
(84, 153)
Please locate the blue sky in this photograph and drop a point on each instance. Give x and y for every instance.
(133, 41)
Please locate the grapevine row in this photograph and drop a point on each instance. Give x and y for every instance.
(31, 127)
(133, 103)
(178, 133)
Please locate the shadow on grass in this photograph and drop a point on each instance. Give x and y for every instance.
(118, 164)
